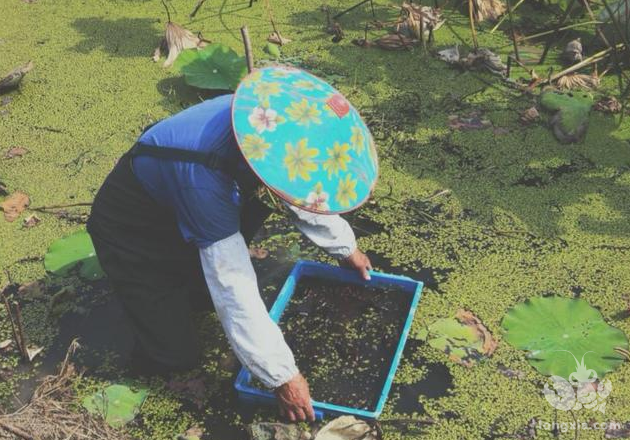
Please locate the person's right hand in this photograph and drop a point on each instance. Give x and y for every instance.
(294, 399)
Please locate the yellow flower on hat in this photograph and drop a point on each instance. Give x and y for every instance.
(303, 113)
(299, 160)
(346, 192)
(338, 158)
(264, 90)
(306, 84)
(254, 147)
(357, 139)
(252, 78)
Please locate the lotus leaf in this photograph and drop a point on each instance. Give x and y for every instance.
(214, 67)
(464, 338)
(273, 50)
(117, 404)
(572, 111)
(69, 252)
(559, 333)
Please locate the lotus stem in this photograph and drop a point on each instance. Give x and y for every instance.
(248, 49)
(562, 21)
(20, 329)
(473, 31)
(168, 13)
(196, 9)
(509, 9)
(496, 26)
(563, 28)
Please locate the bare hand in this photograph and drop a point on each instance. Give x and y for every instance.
(360, 262)
(294, 399)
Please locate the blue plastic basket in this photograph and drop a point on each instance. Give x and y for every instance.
(249, 394)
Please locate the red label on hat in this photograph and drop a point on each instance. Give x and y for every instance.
(339, 105)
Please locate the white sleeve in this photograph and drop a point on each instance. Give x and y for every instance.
(330, 232)
(256, 340)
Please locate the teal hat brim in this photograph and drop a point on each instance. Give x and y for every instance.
(304, 140)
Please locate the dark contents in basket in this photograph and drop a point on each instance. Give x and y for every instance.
(344, 337)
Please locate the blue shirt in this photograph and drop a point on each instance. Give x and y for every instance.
(205, 201)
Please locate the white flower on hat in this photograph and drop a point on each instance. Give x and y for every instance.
(263, 119)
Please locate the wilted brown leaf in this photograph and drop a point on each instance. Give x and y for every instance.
(608, 104)
(573, 51)
(193, 389)
(278, 39)
(474, 121)
(6, 344)
(488, 9)
(15, 152)
(530, 115)
(31, 221)
(31, 352)
(258, 253)
(14, 205)
(31, 290)
(467, 318)
(578, 80)
(395, 42)
(176, 40)
(12, 79)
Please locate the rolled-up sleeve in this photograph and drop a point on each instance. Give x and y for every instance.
(256, 340)
(330, 232)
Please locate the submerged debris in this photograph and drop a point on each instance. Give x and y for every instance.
(450, 55)
(478, 59)
(618, 430)
(608, 104)
(573, 52)
(15, 152)
(51, 412)
(530, 115)
(275, 431)
(473, 121)
(13, 79)
(388, 42)
(176, 40)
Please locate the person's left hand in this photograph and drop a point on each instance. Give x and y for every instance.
(360, 262)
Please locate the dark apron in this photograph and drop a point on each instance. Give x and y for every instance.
(155, 274)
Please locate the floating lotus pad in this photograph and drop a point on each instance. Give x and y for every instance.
(69, 252)
(117, 404)
(572, 113)
(549, 327)
(215, 67)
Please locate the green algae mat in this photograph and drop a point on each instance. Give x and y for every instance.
(489, 213)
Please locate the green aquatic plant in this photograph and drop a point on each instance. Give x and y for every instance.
(547, 327)
(464, 338)
(215, 67)
(572, 113)
(71, 251)
(117, 404)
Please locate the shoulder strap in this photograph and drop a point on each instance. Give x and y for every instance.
(210, 160)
